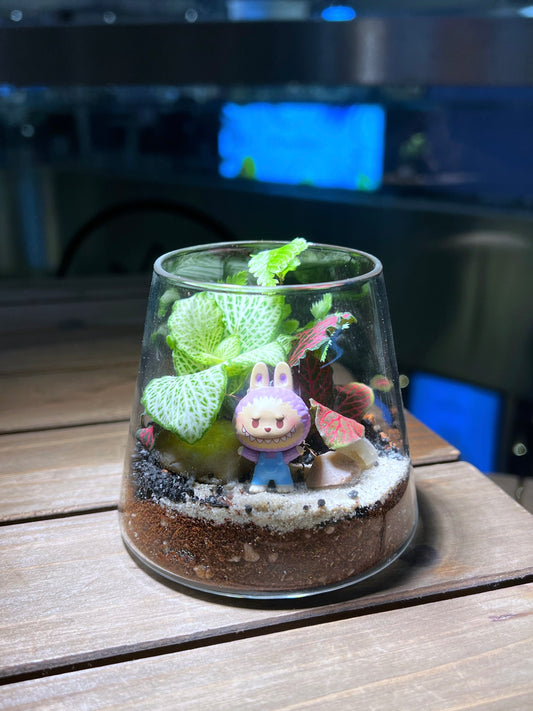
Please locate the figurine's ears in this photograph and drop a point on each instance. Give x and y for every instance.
(259, 377)
(283, 376)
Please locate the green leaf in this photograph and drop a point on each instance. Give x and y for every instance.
(228, 348)
(165, 302)
(253, 318)
(196, 328)
(236, 383)
(270, 266)
(287, 308)
(238, 279)
(270, 353)
(205, 360)
(320, 309)
(184, 364)
(186, 405)
(289, 326)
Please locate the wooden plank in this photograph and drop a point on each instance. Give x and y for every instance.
(71, 348)
(521, 489)
(66, 398)
(87, 381)
(471, 652)
(97, 385)
(40, 290)
(71, 594)
(59, 471)
(71, 314)
(426, 446)
(93, 327)
(35, 310)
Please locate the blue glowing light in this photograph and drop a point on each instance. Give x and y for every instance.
(467, 416)
(317, 144)
(526, 11)
(338, 13)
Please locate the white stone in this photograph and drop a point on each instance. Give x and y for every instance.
(362, 452)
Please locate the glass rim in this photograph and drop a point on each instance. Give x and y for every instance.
(159, 269)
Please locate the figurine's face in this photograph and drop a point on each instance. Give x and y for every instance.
(269, 423)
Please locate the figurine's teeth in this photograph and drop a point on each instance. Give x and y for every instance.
(276, 440)
(252, 439)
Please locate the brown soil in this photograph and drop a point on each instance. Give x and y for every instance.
(250, 559)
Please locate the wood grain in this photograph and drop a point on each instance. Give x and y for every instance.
(61, 471)
(68, 397)
(471, 652)
(69, 356)
(71, 348)
(71, 314)
(40, 290)
(72, 594)
(77, 386)
(73, 469)
(426, 446)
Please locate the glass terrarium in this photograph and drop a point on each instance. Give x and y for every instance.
(267, 453)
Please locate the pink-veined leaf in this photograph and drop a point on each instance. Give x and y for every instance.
(353, 399)
(316, 336)
(336, 430)
(314, 380)
(381, 383)
(146, 436)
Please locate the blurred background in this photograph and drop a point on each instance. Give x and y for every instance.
(132, 127)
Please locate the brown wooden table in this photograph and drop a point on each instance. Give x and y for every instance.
(447, 626)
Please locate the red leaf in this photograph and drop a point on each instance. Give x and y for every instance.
(315, 381)
(336, 430)
(353, 399)
(316, 336)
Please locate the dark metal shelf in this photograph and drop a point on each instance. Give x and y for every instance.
(385, 51)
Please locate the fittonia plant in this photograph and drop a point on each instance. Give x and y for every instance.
(216, 338)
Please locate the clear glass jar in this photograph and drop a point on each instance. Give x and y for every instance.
(267, 454)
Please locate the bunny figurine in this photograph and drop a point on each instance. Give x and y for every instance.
(270, 421)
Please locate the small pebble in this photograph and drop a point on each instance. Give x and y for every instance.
(250, 555)
(248, 509)
(353, 493)
(203, 572)
(321, 502)
(306, 507)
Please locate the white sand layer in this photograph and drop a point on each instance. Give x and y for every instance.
(301, 508)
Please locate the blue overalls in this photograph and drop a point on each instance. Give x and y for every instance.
(271, 467)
